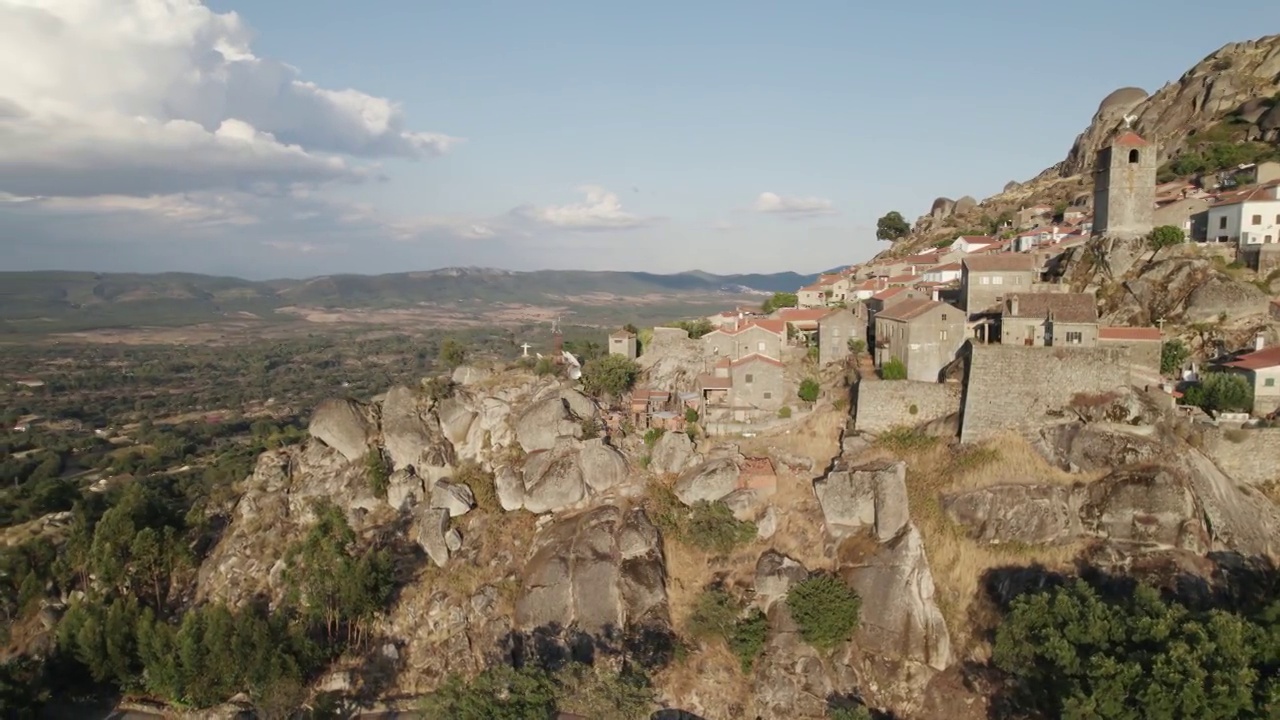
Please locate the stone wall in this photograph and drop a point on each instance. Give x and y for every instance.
(1010, 386)
(1246, 455)
(883, 404)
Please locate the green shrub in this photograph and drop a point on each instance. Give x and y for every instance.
(590, 429)
(377, 473)
(857, 712)
(894, 369)
(825, 609)
(610, 375)
(718, 614)
(690, 415)
(652, 435)
(452, 353)
(809, 390)
(913, 410)
(499, 692)
(812, 353)
(438, 388)
(784, 412)
(856, 346)
(1221, 392)
(544, 366)
(903, 439)
(713, 528)
(1173, 354)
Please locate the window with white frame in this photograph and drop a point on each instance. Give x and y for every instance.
(1075, 337)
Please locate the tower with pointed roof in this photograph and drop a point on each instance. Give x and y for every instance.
(1124, 187)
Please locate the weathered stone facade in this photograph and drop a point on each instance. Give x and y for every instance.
(885, 404)
(986, 280)
(623, 343)
(834, 333)
(921, 334)
(749, 340)
(1124, 188)
(1009, 386)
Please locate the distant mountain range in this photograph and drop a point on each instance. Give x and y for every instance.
(168, 298)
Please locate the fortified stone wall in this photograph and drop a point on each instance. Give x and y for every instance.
(883, 404)
(1246, 455)
(1008, 387)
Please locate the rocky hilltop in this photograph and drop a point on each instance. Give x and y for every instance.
(529, 525)
(1239, 79)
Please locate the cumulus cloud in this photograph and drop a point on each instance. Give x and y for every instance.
(146, 97)
(602, 210)
(774, 203)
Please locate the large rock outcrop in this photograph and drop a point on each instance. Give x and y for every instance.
(673, 453)
(411, 435)
(872, 497)
(600, 571)
(1227, 80)
(565, 474)
(344, 425)
(708, 482)
(545, 421)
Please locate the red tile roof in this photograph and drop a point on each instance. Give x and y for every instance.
(622, 334)
(711, 382)
(949, 267)
(773, 326)
(723, 362)
(802, 314)
(1129, 333)
(889, 293)
(1258, 360)
(1266, 191)
(1129, 138)
(816, 287)
(1063, 307)
(1005, 262)
(908, 310)
(756, 357)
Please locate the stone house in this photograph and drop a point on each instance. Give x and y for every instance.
(836, 329)
(623, 342)
(801, 321)
(985, 280)
(972, 243)
(811, 296)
(945, 273)
(744, 390)
(1049, 319)
(646, 404)
(1262, 369)
(765, 337)
(1145, 344)
(924, 335)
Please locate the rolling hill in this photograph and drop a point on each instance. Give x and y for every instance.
(87, 300)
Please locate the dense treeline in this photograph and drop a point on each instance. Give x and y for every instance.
(1077, 654)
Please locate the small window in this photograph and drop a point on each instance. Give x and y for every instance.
(1223, 238)
(715, 350)
(1278, 219)
(1257, 219)
(760, 346)
(986, 281)
(1222, 223)
(942, 334)
(768, 395)
(1269, 382)
(1133, 156)
(1266, 239)
(1075, 338)
(997, 280)
(944, 317)
(749, 378)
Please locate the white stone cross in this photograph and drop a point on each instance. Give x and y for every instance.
(526, 347)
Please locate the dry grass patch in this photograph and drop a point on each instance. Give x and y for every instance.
(957, 562)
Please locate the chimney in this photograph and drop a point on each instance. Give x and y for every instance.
(1013, 305)
(1259, 342)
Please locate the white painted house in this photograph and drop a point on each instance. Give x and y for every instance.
(943, 273)
(973, 243)
(1250, 216)
(1040, 236)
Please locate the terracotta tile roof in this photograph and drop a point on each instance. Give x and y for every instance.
(802, 314)
(1129, 333)
(1266, 191)
(1129, 138)
(757, 466)
(816, 287)
(723, 363)
(774, 326)
(1258, 360)
(908, 310)
(905, 278)
(622, 334)
(1064, 307)
(888, 293)
(640, 394)
(756, 357)
(711, 382)
(1005, 262)
(949, 267)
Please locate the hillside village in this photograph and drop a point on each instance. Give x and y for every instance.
(917, 318)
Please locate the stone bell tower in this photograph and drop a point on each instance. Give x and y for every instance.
(1124, 187)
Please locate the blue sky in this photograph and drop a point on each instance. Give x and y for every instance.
(682, 114)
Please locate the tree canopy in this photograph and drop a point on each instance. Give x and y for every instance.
(1165, 236)
(892, 227)
(780, 300)
(610, 375)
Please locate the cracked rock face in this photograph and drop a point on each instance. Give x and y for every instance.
(868, 497)
(600, 571)
(343, 425)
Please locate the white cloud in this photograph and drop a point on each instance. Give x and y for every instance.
(602, 210)
(774, 203)
(147, 97)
